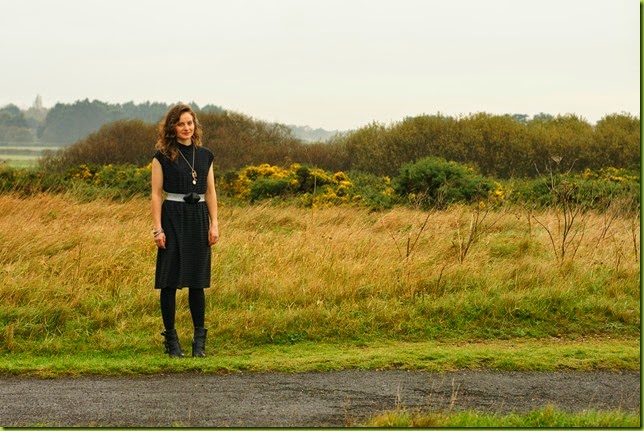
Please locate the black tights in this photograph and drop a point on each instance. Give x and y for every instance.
(196, 300)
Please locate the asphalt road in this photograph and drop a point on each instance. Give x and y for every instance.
(296, 400)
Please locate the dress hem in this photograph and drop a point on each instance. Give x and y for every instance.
(182, 287)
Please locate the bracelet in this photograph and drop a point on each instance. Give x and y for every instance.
(158, 232)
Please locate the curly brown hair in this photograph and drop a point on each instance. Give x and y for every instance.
(167, 140)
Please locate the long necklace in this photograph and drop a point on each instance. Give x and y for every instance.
(192, 167)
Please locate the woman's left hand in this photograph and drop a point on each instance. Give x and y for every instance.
(213, 235)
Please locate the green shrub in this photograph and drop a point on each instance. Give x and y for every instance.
(595, 190)
(310, 179)
(131, 179)
(264, 188)
(119, 143)
(30, 181)
(435, 182)
(375, 192)
(110, 181)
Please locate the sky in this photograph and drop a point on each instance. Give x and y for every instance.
(334, 64)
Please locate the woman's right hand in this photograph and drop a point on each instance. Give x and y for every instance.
(159, 240)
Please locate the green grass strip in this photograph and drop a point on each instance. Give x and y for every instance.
(528, 355)
(547, 417)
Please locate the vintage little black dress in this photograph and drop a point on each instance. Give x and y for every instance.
(185, 262)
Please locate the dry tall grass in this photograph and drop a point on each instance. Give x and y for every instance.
(79, 276)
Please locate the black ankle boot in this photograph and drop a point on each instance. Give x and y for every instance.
(172, 346)
(199, 343)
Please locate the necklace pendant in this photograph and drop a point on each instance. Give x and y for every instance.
(194, 182)
(194, 177)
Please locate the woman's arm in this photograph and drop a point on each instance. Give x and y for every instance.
(211, 202)
(157, 201)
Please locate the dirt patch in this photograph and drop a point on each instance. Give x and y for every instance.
(296, 400)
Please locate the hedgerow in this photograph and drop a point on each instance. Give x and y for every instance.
(429, 183)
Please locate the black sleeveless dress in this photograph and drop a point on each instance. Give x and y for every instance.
(186, 260)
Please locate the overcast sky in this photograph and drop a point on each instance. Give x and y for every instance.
(336, 64)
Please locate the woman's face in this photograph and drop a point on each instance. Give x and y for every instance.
(185, 128)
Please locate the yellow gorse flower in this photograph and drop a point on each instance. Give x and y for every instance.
(328, 189)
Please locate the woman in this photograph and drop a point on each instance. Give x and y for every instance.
(185, 223)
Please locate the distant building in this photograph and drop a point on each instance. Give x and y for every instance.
(37, 103)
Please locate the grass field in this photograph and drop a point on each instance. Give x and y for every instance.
(23, 156)
(370, 289)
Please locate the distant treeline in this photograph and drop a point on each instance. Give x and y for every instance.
(498, 145)
(67, 123)
(501, 146)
